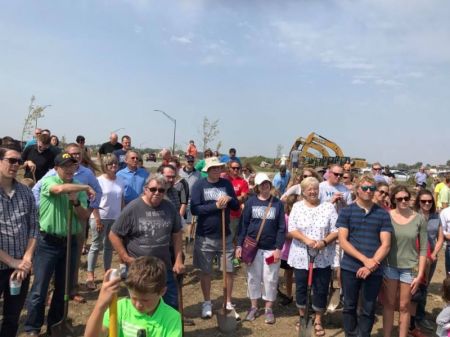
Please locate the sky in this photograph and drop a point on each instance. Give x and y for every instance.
(373, 76)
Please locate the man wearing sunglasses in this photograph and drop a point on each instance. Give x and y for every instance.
(17, 239)
(365, 236)
(377, 172)
(145, 228)
(332, 190)
(58, 193)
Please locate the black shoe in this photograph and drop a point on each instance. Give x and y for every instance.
(285, 300)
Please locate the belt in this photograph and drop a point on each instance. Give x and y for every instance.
(55, 239)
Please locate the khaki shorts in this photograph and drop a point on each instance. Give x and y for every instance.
(206, 249)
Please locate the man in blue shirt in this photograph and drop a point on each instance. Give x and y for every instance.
(120, 154)
(421, 178)
(133, 177)
(281, 180)
(231, 156)
(365, 236)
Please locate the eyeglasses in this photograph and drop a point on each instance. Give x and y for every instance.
(112, 164)
(13, 161)
(426, 201)
(376, 169)
(235, 168)
(404, 199)
(339, 175)
(383, 192)
(154, 189)
(190, 161)
(75, 154)
(370, 188)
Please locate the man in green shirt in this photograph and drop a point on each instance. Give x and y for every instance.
(58, 193)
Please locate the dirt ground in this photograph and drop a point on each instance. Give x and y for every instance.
(286, 316)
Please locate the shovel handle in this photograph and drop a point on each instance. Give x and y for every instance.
(113, 328)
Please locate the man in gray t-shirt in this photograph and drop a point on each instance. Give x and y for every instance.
(145, 228)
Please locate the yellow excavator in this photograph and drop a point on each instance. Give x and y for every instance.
(314, 150)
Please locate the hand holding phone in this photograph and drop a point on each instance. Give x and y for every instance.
(270, 259)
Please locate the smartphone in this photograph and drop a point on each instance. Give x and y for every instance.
(270, 259)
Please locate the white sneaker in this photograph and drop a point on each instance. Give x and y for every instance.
(231, 307)
(206, 309)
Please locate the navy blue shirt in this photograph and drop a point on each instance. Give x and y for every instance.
(363, 232)
(203, 204)
(273, 233)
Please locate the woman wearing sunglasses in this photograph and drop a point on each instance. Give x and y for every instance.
(400, 270)
(425, 205)
(294, 188)
(381, 195)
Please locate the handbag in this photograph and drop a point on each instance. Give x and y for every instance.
(250, 245)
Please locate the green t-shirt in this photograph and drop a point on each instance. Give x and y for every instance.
(165, 321)
(403, 253)
(54, 208)
(199, 167)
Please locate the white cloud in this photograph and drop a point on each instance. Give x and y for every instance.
(186, 39)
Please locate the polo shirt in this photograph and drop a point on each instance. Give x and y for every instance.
(134, 182)
(54, 208)
(109, 148)
(363, 232)
(44, 161)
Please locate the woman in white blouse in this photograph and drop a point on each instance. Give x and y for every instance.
(312, 225)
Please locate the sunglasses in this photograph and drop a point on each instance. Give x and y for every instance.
(154, 189)
(13, 161)
(340, 175)
(426, 201)
(377, 169)
(370, 188)
(306, 176)
(404, 199)
(345, 177)
(383, 192)
(235, 168)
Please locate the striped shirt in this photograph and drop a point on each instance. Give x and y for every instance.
(363, 232)
(18, 221)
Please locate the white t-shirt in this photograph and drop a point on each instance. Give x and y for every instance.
(316, 223)
(326, 192)
(445, 220)
(111, 201)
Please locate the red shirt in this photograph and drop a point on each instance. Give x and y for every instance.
(240, 188)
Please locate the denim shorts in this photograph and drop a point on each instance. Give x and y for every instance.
(405, 275)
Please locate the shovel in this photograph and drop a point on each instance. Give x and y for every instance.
(226, 319)
(334, 298)
(306, 321)
(64, 326)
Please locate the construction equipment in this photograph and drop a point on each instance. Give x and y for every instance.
(315, 151)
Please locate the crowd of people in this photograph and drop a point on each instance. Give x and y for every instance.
(377, 239)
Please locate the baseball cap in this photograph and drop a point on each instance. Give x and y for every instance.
(190, 158)
(64, 158)
(261, 177)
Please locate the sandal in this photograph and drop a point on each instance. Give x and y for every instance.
(318, 329)
(297, 326)
(90, 284)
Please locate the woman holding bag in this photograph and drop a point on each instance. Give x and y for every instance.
(263, 224)
(312, 225)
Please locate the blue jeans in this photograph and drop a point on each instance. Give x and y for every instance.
(100, 241)
(447, 258)
(369, 289)
(171, 295)
(320, 286)
(420, 312)
(50, 258)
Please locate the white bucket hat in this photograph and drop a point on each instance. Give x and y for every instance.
(212, 162)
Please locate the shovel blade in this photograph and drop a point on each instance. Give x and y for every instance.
(226, 320)
(62, 329)
(334, 300)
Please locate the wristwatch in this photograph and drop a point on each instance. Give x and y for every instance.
(76, 203)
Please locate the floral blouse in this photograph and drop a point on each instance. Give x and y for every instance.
(316, 223)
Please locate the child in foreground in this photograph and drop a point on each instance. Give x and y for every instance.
(144, 310)
(443, 319)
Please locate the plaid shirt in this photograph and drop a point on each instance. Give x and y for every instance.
(18, 221)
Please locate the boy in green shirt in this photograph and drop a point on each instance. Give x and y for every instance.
(144, 310)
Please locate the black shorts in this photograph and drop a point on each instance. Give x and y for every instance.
(284, 265)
